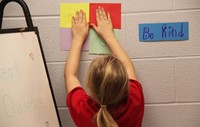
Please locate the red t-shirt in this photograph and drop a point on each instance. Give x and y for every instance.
(129, 113)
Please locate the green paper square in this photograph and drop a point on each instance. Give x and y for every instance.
(97, 45)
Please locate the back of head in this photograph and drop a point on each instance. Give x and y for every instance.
(108, 84)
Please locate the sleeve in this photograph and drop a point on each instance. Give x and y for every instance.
(75, 96)
(137, 95)
(74, 100)
(136, 85)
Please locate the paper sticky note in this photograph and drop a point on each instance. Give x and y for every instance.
(66, 40)
(113, 8)
(67, 10)
(97, 45)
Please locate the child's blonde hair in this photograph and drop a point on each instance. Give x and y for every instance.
(108, 83)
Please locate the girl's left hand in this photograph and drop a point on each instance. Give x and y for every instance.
(80, 26)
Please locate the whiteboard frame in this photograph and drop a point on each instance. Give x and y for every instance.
(35, 29)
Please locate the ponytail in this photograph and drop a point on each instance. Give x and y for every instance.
(104, 119)
(108, 84)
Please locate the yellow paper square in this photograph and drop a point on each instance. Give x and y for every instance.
(67, 10)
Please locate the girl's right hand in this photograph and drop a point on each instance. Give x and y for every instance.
(104, 24)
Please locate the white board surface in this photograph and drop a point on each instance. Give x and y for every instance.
(25, 94)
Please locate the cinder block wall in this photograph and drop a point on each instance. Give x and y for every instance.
(168, 71)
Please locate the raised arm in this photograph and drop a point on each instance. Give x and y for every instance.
(80, 29)
(105, 29)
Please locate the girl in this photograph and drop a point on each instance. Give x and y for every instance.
(116, 98)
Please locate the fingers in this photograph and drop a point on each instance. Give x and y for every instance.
(73, 20)
(97, 15)
(76, 17)
(84, 17)
(79, 17)
(108, 14)
(101, 14)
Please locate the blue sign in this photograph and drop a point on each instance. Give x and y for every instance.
(164, 31)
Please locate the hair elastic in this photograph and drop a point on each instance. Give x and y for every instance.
(103, 106)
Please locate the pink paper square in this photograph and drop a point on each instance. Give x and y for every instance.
(66, 40)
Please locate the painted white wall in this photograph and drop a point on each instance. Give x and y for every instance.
(168, 71)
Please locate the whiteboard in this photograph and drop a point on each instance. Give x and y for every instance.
(26, 98)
